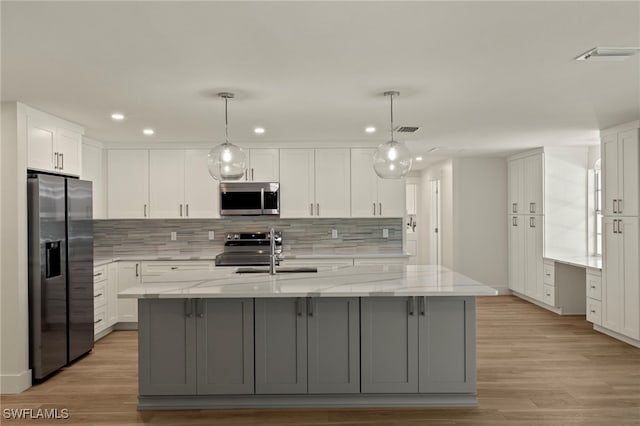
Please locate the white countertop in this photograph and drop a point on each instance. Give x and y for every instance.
(347, 281)
(576, 260)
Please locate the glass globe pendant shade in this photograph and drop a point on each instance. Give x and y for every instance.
(227, 162)
(392, 160)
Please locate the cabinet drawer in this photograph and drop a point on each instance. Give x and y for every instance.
(99, 319)
(161, 267)
(99, 296)
(99, 273)
(594, 286)
(549, 275)
(594, 311)
(549, 295)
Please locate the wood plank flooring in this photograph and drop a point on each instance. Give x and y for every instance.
(534, 368)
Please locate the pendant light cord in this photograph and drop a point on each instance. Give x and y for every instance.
(226, 121)
(391, 96)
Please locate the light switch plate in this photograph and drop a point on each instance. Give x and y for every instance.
(385, 233)
(174, 235)
(334, 233)
(211, 235)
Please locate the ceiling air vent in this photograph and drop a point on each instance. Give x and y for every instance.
(407, 129)
(608, 54)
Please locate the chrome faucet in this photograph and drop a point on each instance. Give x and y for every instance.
(272, 254)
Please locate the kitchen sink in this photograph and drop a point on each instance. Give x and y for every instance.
(283, 270)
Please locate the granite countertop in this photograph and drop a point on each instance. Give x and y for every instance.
(347, 281)
(576, 260)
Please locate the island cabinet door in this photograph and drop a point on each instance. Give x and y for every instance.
(447, 344)
(281, 345)
(389, 345)
(167, 347)
(225, 346)
(333, 345)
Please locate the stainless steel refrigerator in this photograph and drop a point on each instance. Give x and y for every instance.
(60, 223)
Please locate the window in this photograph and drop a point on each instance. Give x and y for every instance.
(597, 185)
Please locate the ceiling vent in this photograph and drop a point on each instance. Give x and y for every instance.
(407, 129)
(608, 54)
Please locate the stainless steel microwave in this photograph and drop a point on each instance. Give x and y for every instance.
(249, 198)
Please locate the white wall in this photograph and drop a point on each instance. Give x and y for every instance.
(480, 237)
(15, 375)
(93, 169)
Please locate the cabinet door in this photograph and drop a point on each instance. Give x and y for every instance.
(40, 144)
(391, 197)
(610, 173)
(297, 178)
(534, 184)
(225, 346)
(534, 267)
(334, 345)
(612, 286)
(447, 343)
(167, 347)
(69, 146)
(516, 253)
(264, 165)
(628, 233)
(128, 276)
(515, 170)
(389, 345)
(127, 183)
(628, 176)
(166, 184)
(364, 184)
(280, 346)
(201, 191)
(112, 294)
(333, 180)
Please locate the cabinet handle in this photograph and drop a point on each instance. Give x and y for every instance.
(298, 307)
(380, 208)
(619, 226)
(317, 209)
(188, 308)
(145, 210)
(61, 161)
(98, 321)
(199, 308)
(548, 274)
(593, 286)
(97, 295)
(515, 207)
(173, 268)
(592, 311)
(252, 173)
(615, 223)
(374, 209)
(98, 274)
(410, 306)
(55, 160)
(309, 306)
(532, 207)
(180, 210)
(187, 208)
(619, 205)
(246, 174)
(137, 264)
(422, 304)
(532, 222)
(615, 209)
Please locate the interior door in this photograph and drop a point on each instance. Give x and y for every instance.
(434, 228)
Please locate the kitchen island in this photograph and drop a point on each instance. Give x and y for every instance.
(375, 335)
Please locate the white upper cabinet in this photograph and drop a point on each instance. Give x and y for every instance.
(53, 145)
(263, 165)
(128, 183)
(533, 184)
(515, 169)
(166, 188)
(201, 191)
(314, 183)
(620, 164)
(370, 195)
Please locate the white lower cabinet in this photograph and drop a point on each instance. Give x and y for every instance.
(105, 297)
(526, 270)
(594, 296)
(129, 275)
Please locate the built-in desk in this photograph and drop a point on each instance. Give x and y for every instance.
(570, 284)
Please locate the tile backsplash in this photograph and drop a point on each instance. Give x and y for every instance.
(152, 237)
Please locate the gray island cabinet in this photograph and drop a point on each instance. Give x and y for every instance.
(284, 342)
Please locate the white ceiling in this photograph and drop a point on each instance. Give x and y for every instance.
(478, 77)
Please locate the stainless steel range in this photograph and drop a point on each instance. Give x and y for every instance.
(250, 249)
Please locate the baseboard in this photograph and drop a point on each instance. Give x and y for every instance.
(621, 337)
(538, 303)
(502, 291)
(126, 326)
(15, 383)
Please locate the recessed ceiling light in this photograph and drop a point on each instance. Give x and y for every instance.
(418, 158)
(258, 130)
(148, 132)
(370, 129)
(608, 54)
(117, 116)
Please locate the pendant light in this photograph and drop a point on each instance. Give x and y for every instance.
(226, 161)
(392, 159)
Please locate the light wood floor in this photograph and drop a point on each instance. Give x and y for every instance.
(534, 368)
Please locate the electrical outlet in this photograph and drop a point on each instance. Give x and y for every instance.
(334, 233)
(385, 233)
(174, 235)
(211, 235)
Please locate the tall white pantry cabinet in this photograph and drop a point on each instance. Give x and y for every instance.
(621, 243)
